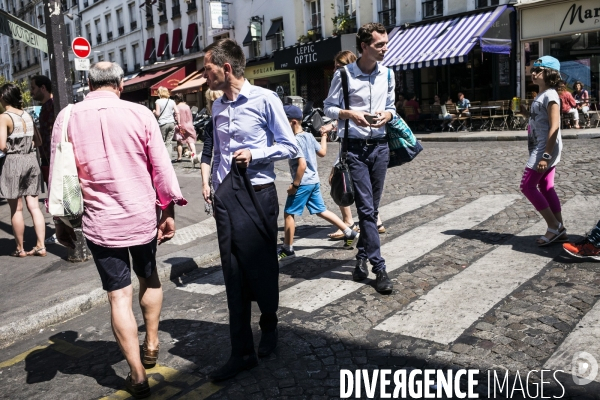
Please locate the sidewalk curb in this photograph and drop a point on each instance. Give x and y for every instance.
(61, 312)
(501, 138)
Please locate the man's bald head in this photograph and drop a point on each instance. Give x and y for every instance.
(105, 74)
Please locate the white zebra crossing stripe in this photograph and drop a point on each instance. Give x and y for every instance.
(214, 283)
(313, 294)
(585, 337)
(193, 232)
(447, 310)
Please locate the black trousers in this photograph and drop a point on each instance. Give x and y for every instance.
(244, 287)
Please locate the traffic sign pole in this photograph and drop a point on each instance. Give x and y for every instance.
(62, 89)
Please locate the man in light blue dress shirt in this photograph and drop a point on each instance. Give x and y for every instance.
(371, 97)
(252, 130)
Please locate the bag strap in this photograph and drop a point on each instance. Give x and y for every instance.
(345, 142)
(65, 123)
(161, 113)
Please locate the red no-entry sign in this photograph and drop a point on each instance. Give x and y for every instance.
(81, 47)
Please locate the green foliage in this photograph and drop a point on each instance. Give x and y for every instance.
(343, 23)
(24, 86)
(310, 36)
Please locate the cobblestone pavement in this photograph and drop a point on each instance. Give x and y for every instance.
(471, 291)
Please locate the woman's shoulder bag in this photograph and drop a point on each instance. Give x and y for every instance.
(342, 188)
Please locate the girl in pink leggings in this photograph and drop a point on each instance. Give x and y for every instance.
(545, 146)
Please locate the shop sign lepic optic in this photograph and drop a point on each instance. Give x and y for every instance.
(307, 54)
(19, 30)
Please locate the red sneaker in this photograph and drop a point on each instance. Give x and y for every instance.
(583, 249)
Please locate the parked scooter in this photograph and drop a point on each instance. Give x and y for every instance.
(200, 121)
(314, 119)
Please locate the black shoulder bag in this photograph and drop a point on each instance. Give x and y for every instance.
(342, 188)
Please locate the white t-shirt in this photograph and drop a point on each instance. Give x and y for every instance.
(539, 125)
(166, 115)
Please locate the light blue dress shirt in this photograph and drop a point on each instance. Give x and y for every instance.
(369, 93)
(255, 121)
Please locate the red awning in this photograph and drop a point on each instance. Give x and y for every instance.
(149, 49)
(192, 36)
(176, 45)
(191, 84)
(163, 41)
(144, 80)
(171, 81)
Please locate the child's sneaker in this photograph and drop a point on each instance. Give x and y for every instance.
(583, 249)
(351, 240)
(283, 253)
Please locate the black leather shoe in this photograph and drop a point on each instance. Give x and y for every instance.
(268, 342)
(234, 366)
(383, 283)
(361, 271)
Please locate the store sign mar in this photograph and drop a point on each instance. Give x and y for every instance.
(562, 18)
(578, 14)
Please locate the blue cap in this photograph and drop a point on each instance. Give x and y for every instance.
(293, 112)
(547, 62)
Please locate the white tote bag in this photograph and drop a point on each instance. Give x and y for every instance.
(66, 199)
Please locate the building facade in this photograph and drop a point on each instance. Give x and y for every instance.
(25, 61)
(567, 30)
(6, 65)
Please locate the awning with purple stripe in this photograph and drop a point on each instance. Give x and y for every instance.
(438, 43)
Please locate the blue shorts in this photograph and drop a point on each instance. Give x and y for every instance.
(308, 196)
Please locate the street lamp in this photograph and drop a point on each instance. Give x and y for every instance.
(70, 16)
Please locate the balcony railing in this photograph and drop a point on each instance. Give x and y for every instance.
(175, 11)
(133, 25)
(136, 67)
(192, 6)
(121, 30)
(149, 22)
(433, 8)
(486, 3)
(125, 67)
(162, 17)
(86, 4)
(109, 36)
(387, 17)
(35, 61)
(98, 39)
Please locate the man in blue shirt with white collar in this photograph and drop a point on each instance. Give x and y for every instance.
(252, 130)
(371, 96)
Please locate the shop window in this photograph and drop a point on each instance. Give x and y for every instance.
(433, 8)
(387, 12)
(315, 16)
(579, 57)
(487, 3)
(255, 49)
(531, 50)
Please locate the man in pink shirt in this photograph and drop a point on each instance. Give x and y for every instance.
(127, 181)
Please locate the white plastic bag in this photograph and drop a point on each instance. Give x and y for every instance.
(65, 197)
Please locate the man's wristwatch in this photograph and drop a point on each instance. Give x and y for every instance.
(296, 186)
(547, 156)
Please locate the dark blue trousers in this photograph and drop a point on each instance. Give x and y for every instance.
(368, 166)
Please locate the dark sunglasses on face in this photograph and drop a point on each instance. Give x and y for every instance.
(536, 70)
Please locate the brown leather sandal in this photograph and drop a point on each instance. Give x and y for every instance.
(137, 390)
(37, 251)
(149, 357)
(18, 253)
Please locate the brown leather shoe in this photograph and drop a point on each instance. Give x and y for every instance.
(149, 357)
(137, 390)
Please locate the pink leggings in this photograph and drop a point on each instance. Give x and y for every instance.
(539, 189)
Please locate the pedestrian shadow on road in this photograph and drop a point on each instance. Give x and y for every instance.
(7, 245)
(522, 244)
(70, 356)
